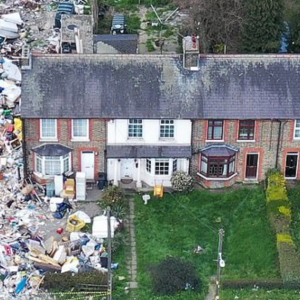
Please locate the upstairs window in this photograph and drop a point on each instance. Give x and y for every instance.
(135, 128)
(80, 129)
(297, 130)
(167, 128)
(215, 130)
(246, 129)
(48, 129)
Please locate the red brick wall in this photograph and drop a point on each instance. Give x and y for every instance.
(97, 143)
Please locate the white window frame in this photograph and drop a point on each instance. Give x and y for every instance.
(148, 165)
(161, 167)
(166, 128)
(48, 138)
(41, 162)
(297, 129)
(132, 124)
(83, 137)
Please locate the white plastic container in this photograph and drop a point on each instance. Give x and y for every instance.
(53, 203)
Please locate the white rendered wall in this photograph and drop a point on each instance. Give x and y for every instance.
(117, 133)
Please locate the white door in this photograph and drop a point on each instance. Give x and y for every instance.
(88, 164)
(127, 167)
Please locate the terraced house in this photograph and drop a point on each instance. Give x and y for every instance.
(223, 118)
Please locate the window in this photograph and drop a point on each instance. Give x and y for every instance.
(161, 167)
(174, 165)
(48, 129)
(297, 130)
(53, 165)
(246, 129)
(217, 166)
(148, 165)
(167, 128)
(80, 129)
(135, 128)
(215, 130)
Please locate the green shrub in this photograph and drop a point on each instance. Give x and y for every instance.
(279, 210)
(276, 190)
(61, 282)
(289, 262)
(150, 46)
(113, 197)
(182, 182)
(173, 275)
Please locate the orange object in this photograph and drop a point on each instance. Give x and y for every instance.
(159, 191)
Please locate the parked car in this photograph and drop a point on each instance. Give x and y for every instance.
(118, 24)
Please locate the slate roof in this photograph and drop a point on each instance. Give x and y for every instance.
(123, 43)
(157, 86)
(52, 150)
(219, 150)
(148, 151)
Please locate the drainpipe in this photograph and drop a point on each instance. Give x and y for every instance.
(25, 170)
(278, 144)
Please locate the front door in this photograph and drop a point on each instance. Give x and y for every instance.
(88, 164)
(251, 166)
(291, 165)
(127, 167)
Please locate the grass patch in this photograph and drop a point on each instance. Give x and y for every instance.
(259, 294)
(177, 223)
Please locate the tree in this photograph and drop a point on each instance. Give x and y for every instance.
(217, 22)
(291, 16)
(263, 26)
(173, 275)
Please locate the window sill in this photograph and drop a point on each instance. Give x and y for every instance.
(80, 140)
(217, 178)
(42, 176)
(214, 141)
(48, 140)
(166, 139)
(135, 139)
(296, 139)
(245, 141)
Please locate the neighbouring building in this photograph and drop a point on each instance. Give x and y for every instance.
(223, 118)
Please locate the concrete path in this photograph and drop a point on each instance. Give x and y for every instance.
(132, 257)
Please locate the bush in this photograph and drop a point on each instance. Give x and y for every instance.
(62, 282)
(289, 261)
(279, 209)
(173, 275)
(113, 196)
(182, 182)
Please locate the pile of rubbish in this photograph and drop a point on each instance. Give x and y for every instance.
(31, 246)
(35, 23)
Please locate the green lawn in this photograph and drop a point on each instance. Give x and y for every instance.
(260, 294)
(175, 224)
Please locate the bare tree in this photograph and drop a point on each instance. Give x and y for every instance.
(217, 22)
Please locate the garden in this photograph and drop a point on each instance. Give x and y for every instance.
(171, 230)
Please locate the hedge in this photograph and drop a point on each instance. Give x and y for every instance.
(279, 211)
(69, 281)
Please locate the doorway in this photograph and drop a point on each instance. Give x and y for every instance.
(251, 166)
(291, 165)
(127, 167)
(88, 164)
